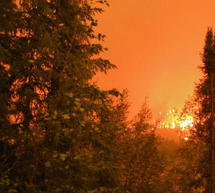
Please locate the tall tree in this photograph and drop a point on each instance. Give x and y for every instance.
(51, 113)
(204, 93)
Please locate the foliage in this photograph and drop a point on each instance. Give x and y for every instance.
(142, 163)
(53, 136)
(204, 101)
(194, 159)
(61, 133)
(182, 167)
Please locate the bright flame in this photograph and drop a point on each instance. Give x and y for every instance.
(186, 138)
(173, 124)
(172, 120)
(169, 119)
(188, 122)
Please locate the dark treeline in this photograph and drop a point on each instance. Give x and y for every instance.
(61, 133)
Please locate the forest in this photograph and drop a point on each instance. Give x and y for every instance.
(62, 133)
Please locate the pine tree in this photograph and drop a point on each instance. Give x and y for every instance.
(51, 113)
(204, 100)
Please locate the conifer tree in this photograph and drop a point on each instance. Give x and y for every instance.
(204, 115)
(51, 113)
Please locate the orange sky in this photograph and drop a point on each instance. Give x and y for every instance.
(156, 45)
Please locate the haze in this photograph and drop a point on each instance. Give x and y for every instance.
(156, 45)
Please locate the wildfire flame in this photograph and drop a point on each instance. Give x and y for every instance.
(172, 120)
(187, 123)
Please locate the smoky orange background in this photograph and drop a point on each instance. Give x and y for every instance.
(156, 45)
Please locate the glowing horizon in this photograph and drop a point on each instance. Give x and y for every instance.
(156, 45)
